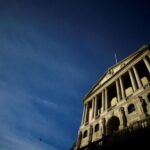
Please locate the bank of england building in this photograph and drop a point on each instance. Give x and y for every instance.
(119, 102)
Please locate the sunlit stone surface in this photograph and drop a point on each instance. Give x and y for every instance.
(118, 103)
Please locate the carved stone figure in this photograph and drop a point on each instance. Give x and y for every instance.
(90, 134)
(143, 105)
(123, 116)
(102, 127)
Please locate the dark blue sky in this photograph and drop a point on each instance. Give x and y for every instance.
(51, 53)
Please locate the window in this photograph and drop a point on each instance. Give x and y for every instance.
(96, 127)
(85, 134)
(131, 108)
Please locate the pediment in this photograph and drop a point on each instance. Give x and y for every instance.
(114, 69)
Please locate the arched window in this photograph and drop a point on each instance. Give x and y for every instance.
(131, 108)
(96, 127)
(85, 134)
(148, 97)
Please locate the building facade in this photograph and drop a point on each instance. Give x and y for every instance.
(119, 99)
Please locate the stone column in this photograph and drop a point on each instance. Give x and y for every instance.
(103, 101)
(79, 139)
(118, 90)
(147, 64)
(86, 109)
(106, 99)
(137, 77)
(122, 88)
(95, 112)
(93, 107)
(132, 80)
(83, 115)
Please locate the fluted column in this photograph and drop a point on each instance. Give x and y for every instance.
(118, 90)
(106, 99)
(147, 64)
(132, 80)
(137, 77)
(103, 101)
(122, 88)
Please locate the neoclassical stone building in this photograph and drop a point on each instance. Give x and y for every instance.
(119, 100)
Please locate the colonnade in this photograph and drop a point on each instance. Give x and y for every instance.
(120, 90)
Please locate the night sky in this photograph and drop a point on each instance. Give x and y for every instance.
(51, 53)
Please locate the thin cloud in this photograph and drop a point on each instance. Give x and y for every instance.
(28, 116)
